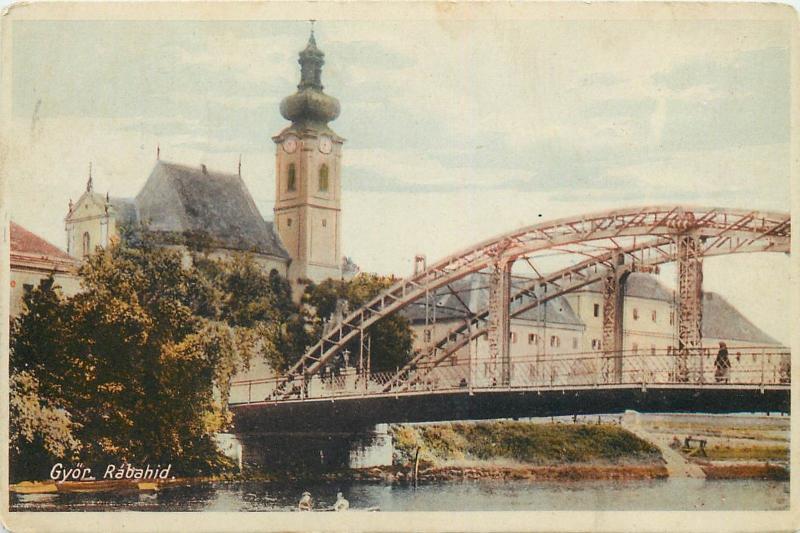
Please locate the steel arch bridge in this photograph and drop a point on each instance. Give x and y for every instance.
(564, 255)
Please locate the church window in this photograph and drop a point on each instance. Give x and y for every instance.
(533, 338)
(324, 223)
(427, 335)
(323, 178)
(596, 309)
(86, 244)
(653, 315)
(513, 337)
(672, 318)
(291, 180)
(635, 314)
(289, 222)
(555, 342)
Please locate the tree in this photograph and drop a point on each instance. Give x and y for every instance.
(248, 299)
(391, 337)
(40, 433)
(135, 358)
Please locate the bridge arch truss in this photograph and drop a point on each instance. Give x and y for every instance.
(598, 247)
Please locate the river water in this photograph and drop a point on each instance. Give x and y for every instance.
(482, 495)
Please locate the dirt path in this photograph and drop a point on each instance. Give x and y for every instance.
(677, 465)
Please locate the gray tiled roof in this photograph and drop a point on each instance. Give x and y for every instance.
(125, 209)
(178, 199)
(473, 291)
(721, 320)
(639, 285)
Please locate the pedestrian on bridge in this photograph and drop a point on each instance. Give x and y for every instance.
(722, 364)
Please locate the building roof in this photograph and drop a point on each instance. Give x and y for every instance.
(125, 209)
(721, 320)
(28, 243)
(473, 291)
(638, 285)
(31, 252)
(180, 199)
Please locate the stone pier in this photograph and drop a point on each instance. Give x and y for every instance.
(317, 451)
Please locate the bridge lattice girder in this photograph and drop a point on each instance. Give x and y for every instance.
(729, 230)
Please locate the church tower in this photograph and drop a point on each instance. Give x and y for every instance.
(308, 177)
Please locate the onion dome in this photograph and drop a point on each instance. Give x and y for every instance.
(309, 106)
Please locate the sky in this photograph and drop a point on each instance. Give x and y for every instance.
(456, 130)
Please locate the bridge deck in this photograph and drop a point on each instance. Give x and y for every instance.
(354, 413)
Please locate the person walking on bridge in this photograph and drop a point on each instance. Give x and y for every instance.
(722, 364)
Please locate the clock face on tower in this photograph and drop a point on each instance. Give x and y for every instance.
(325, 144)
(290, 144)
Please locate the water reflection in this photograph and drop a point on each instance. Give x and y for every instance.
(482, 495)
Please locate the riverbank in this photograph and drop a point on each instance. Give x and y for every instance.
(734, 446)
(535, 451)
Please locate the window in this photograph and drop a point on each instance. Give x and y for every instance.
(323, 178)
(324, 223)
(289, 222)
(672, 318)
(574, 343)
(555, 342)
(596, 309)
(86, 244)
(595, 344)
(533, 338)
(635, 314)
(653, 315)
(427, 335)
(291, 180)
(513, 337)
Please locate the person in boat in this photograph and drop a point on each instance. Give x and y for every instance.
(305, 503)
(341, 503)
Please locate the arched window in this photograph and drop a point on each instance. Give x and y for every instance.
(86, 244)
(323, 178)
(291, 180)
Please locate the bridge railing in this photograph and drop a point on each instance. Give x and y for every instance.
(748, 366)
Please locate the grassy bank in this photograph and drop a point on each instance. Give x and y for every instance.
(522, 443)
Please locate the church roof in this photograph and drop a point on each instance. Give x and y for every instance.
(181, 199)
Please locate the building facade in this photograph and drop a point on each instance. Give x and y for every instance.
(34, 259)
(560, 342)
